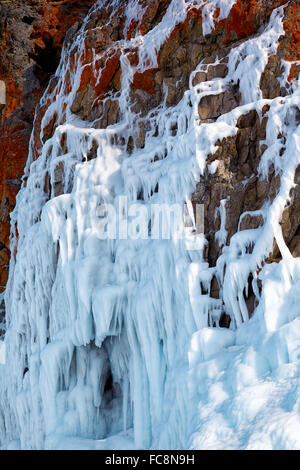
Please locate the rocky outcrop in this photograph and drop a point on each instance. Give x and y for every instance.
(31, 38)
(236, 179)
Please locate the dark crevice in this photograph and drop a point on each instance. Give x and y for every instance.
(109, 383)
(250, 298)
(225, 321)
(161, 10)
(28, 20)
(46, 59)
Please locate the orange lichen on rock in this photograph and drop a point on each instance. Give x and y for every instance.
(294, 72)
(245, 16)
(56, 19)
(180, 29)
(112, 64)
(290, 43)
(145, 81)
(13, 142)
(216, 13)
(291, 26)
(106, 69)
(152, 13)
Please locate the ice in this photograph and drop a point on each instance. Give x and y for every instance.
(2, 352)
(221, 235)
(115, 344)
(209, 341)
(209, 8)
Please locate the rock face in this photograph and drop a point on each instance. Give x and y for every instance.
(159, 102)
(31, 38)
(236, 179)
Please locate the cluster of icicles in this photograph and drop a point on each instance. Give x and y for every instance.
(98, 331)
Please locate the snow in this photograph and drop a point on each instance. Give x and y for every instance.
(85, 312)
